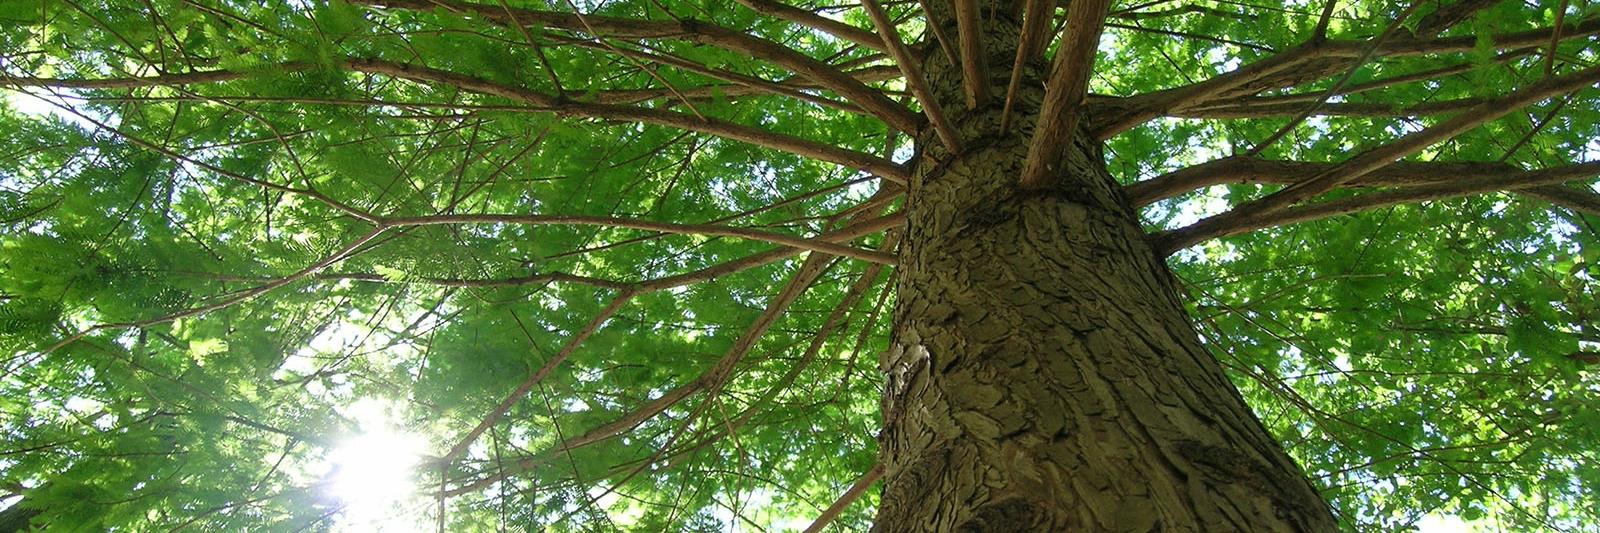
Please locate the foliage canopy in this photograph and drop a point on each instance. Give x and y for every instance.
(561, 251)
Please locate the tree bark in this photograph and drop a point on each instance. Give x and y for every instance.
(1043, 375)
(18, 516)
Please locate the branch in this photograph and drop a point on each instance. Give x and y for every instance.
(807, 274)
(1065, 92)
(741, 85)
(1446, 16)
(1384, 82)
(348, 250)
(1136, 110)
(1035, 25)
(1251, 108)
(771, 256)
(913, 76)
(872, 100)
(1537, 181)
(817, 22)
(803, 243)
(538, 102)
(722, 128)
(974, 65)
(1415, 46)
(711, 378)
(1377, 158)
(517, 281)
(137, 82)
(849, 497)
(549, 366)
(1581, 201)
(1241, 169)
(1304, 63)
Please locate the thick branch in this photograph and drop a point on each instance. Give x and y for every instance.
(163, 80)
(1250, 108)
(1302, 64)
(1240, 169)
(1537, 181)
(537, 101)
(1377, 158)
(1383, 83)
(516, 281)
(871, 100)
(803, 243)
(1065, 92)
(850, 496)
(1581, 201)
(534, 378)
(1035, 28)
(771, 256)
(773, 8)
(721, 128)
(712, 377)
(913, 76)
(974, 64)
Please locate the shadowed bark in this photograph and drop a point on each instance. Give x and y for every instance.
(1043, 375)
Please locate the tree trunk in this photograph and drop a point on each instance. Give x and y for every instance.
(1043, 375)
(18, 516)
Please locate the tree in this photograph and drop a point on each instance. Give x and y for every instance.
(1002, 266)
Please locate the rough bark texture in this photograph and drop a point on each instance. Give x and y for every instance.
(1043, 374)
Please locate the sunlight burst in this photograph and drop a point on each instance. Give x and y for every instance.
(371, 473)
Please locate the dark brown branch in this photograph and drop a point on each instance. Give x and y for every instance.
(1250, 108)
(206, 76)
(741, 85)
(1186, 9)
(773, 8)
(1035, 26)
(1381, 83)
(1366, 55)
(869, 99)
(537, 101)
(974, 65)
(1446, 16)
(850, 496)
(803, 278)
(1302, 64)
(721, 128)
(534, 378)
(1581, 201)
(1377, 158)
(1065, 92)
(516, 281)
(1414, 46)
(1187, 35)
(1537, 181)
(1240, 169)
(913, 75)
(803, 243)
(939, 36)
(1139, 109)
(845, 234)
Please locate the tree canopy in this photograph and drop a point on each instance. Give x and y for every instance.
(626, 264)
